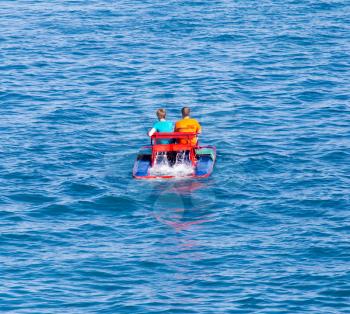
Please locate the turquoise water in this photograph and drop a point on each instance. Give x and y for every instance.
(268, 232)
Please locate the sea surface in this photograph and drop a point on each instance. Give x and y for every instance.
(268, 232)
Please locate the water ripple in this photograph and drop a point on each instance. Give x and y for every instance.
(267, 232)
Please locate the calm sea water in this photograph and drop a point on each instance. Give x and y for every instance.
(268, 232)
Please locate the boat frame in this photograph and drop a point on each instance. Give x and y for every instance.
(188, 142)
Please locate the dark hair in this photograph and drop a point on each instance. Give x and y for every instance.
(186, 111)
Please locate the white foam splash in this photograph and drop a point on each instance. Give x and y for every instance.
(176, 170)
(179, 169)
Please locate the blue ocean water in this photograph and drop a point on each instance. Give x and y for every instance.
(268, 232)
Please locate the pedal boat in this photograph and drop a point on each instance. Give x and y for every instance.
(200, 158)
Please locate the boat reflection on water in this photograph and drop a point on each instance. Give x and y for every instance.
(181, 205)
(180, 226)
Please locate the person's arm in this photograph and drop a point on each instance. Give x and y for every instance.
(150, 133)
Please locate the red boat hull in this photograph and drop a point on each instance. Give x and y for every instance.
(203, 167)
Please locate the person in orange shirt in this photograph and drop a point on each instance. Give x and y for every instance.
(187, 124)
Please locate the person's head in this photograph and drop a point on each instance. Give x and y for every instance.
(161, 113)
(185, 112)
